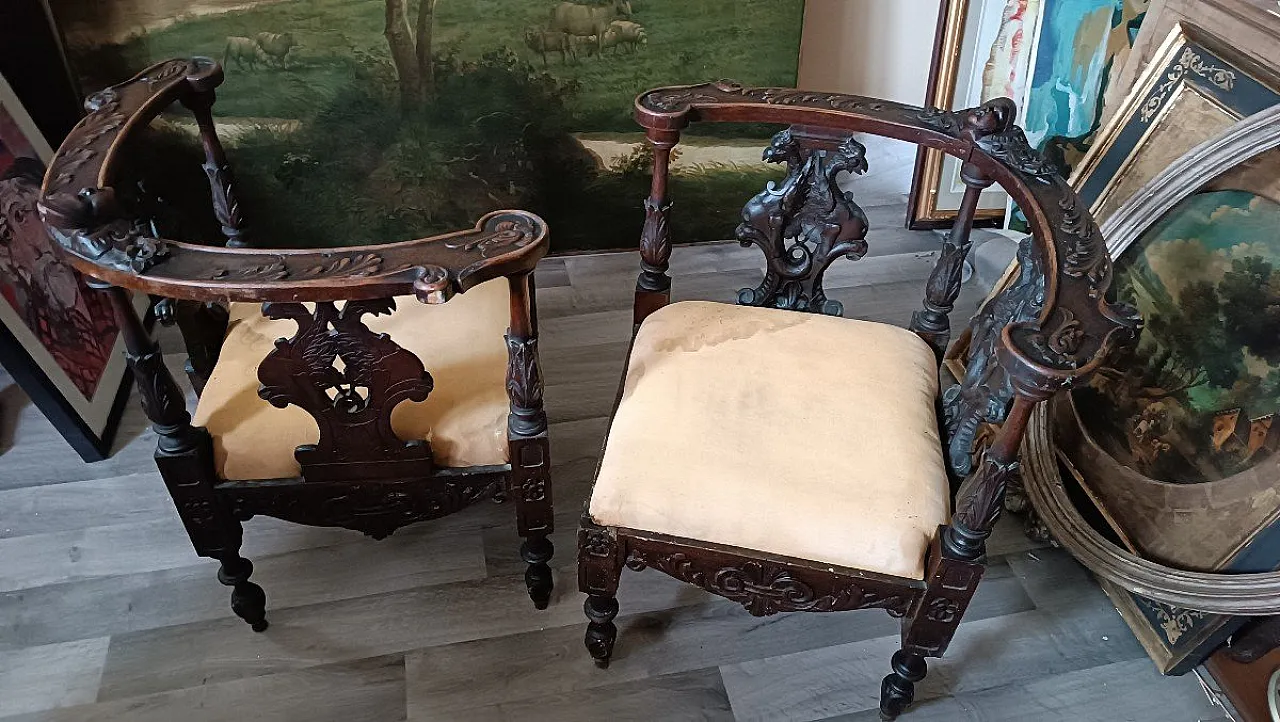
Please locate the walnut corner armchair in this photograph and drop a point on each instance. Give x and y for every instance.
(790, 460)
(365, 387)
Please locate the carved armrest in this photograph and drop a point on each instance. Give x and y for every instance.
(85, 217)
(1052, 330)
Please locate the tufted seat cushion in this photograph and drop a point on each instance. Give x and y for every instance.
(782, 432)
(460, 343)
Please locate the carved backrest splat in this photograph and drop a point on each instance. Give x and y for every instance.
(803, 224)
(349, 379)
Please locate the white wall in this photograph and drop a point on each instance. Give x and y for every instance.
(879, 48)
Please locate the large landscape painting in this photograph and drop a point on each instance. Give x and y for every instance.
(351, 121)
(1197, 401)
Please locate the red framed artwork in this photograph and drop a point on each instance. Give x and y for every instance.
(58, 339)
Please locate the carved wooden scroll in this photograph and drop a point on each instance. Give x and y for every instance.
(103, 239)
(803, 224)
(349, 379)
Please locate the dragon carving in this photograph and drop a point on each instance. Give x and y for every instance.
(803, 224)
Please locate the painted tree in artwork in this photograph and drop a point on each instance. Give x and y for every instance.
(411, 50)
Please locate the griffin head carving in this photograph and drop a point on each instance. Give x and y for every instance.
(782, 148)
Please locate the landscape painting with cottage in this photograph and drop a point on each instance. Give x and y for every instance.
(1198, 398)
(356, 121)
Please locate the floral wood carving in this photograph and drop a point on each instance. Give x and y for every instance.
(504, 236)
(524, 386)
(655, 246)
(943, 610)
(348, 378)
(677, 100)
(765, 588)
(89, 224)
(226, 207)
(803, 225)
(994, 116)
(1011, 146)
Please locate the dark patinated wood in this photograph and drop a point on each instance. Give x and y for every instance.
(184, 455)
(351, 403)
(226, 209)
(527, 437)
(360, 475)
(1047, 330)
(803, 224)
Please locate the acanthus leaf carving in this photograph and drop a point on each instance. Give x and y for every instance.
(655, 245)
(803, 224)
(1011, 146)
(524, 385)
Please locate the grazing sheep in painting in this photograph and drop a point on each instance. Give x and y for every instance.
(586, 20)
(276, 45)
(244, 51)
(549, 41)
(630, 35)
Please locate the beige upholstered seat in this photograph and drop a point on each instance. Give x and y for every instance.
(460, 343)
(782, 432)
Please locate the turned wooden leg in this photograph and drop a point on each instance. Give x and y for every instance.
(536, 552)
(899, 688)
(248, 600)
(601, 631)
(530, 480)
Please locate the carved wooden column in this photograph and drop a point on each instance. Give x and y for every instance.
(529, 448)
(221, 183)
(653, 287)
(932, 323)
(184, 455)
(599, 569)
(981, 496)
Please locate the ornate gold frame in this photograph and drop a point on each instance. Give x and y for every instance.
(922, 203)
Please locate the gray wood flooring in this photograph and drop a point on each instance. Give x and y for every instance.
(107, 614)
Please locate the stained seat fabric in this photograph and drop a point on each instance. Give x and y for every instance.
(781, 432)
(460, 343)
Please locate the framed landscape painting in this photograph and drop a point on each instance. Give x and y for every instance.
(1174, 442)
(381, 120)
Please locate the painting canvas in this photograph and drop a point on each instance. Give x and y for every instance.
(58, 337)
(1080, 45)
(1190, 410)
(351, 121)
(1197, 401)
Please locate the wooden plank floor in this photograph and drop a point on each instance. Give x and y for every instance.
(106, 614)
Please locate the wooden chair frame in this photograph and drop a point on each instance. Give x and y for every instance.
(1049, 329)
(360, 475)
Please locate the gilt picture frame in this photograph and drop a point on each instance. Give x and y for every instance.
(1195, 86)
(1169, 445)
(980, 52)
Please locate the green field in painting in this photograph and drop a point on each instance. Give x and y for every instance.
(325, 154)
(690, 41)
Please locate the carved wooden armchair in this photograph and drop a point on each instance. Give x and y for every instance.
(369, 414)
(794, 461)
